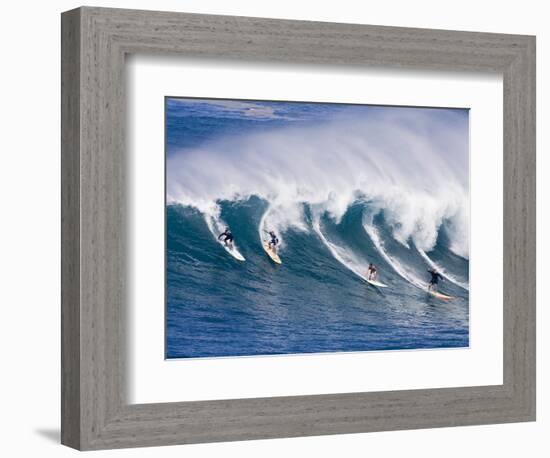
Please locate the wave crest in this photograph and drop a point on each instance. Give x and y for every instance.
(412, 166)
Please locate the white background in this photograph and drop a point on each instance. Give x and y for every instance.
(29, 234)
(155, 380)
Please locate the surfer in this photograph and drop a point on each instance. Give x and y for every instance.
(436, 276)
(372, 272)
(273, 242)
(227, 237)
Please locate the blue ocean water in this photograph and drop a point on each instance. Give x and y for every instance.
(252, 166)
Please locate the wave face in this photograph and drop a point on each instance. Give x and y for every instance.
(382, 186)
(317, 301)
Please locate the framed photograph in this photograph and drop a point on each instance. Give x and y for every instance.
(278, 228)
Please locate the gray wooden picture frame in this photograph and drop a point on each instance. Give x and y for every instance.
(95, 411)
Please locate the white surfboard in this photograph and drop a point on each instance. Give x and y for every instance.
(232, 250)
(272, 254)
(377, 284)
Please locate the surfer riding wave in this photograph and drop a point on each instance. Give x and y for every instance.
(273, 241)
(372, 273)
(227, 237)
(434, 280)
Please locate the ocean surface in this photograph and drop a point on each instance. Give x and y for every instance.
(341, 186)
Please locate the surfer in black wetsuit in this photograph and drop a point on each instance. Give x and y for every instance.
(372, 272)
(227, 237)
(436, 276)
(273, 242)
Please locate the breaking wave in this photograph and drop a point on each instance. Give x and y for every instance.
(418, 182)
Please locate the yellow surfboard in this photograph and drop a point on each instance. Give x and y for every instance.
(272, 254)
(440, 296)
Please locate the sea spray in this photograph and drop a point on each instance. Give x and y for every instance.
(417, 181)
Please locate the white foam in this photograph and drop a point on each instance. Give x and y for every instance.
(412, 163)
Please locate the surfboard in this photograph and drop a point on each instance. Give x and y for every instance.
(377, 283)
(232, 250)
(272, 254)
(440, 295)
